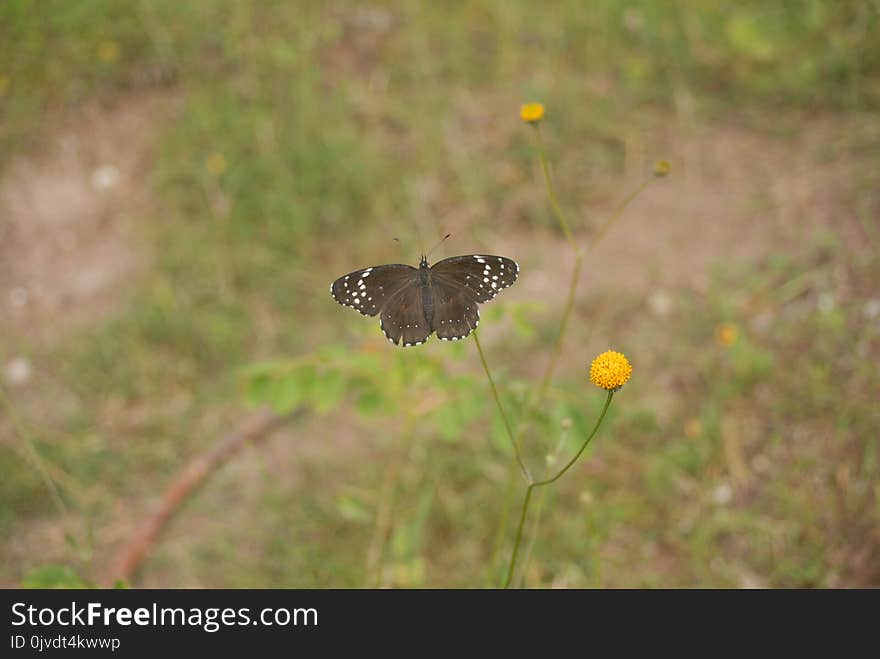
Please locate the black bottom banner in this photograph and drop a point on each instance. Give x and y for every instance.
(128, 622)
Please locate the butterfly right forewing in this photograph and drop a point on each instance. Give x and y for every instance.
(367, 290)
(482, 274)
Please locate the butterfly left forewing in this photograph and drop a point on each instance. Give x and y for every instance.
(368, 289)
(484, 276)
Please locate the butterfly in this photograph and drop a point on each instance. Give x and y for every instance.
(413, 303)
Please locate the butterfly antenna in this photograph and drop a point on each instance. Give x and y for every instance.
(442, 240)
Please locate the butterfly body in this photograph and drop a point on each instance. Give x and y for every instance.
(427, 290)
(413, 302)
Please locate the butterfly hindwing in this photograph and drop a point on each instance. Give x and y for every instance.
(403, 318)
(483, 275)
(455, 312)
(368, 289)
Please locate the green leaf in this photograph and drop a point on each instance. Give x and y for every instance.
(354, 509)
(369, 402)
(258, 389)
(328, 390)
(286, 394)
(449, 421)
(748, 35)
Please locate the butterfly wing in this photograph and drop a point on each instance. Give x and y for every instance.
(403, 317)
(483, 276)
(455, 311)
(368, 289)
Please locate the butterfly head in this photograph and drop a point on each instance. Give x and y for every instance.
(424, 262)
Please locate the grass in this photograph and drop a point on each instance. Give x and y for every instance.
(310, 135)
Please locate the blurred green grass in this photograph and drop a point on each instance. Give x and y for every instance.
(309, 135)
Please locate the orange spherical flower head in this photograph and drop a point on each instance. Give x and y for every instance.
(531, 113)
(610, 370)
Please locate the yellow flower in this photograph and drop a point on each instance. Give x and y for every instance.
(531, 112)
(108, 51)
(215, 164)
(662, 168)
(610, 370)
(726, 334)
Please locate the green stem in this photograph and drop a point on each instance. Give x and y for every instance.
(620, 208)
(533, 533)
(535, 401)
(519, 530)
(563, 327)
(513, 441)
(502, 526)
(554, 203)
(34, 455)
(583, 446)
(533, 484)
(579, 261)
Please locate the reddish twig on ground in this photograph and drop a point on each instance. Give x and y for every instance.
(132, 554)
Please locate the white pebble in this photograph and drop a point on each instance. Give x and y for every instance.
(105, 177)
(18, 371)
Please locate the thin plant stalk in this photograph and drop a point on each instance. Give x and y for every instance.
(575, 280)
(540, 392)
(597, 237)
(507, 426)
(533, 531)
(563, 326)
(539, 507)
(507, 500)
(547, 481)
(34, 456)
(551, 193)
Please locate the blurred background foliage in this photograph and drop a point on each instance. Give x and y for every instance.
(181, 182)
